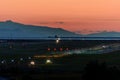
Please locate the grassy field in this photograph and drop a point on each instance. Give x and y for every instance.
(67, 67)
(40, 47)
(24, 49)
(15, 50)
(70, 62)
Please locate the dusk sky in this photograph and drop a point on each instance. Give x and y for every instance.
(85, 16)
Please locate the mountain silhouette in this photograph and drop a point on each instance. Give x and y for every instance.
(14, 30)
(104, 34)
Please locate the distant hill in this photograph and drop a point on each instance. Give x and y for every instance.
(104, 34)
(13, 30)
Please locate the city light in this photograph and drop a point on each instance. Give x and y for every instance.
(32, 63)
(21, 59)
(104, 46)
(67, 49)
(48, 61)
(48, 49)
(61, 49)
(57, 41)
(29, 57)
(3, 61)
(12, 60)
(55, 49)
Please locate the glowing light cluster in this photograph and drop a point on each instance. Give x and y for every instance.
(32, 63)
(58, 40)
(48, 61)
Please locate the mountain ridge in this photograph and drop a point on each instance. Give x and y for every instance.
(10, 29)
(14, 30)
(104, 34)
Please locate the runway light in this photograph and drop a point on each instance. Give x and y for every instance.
(48, 61)
(3, 61)
(32, 63)
(67, 49)
(55, 49)
(12, 60)
(61, 49)
(29, 57)
(104, 46)
(48, 49)
(57, 41)
(21, 59)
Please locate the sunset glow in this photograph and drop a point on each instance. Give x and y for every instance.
(81, 16)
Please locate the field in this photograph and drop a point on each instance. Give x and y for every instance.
(69, 66)
(24, 49)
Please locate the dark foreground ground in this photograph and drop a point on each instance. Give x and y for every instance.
(76, 66)
(82, 67)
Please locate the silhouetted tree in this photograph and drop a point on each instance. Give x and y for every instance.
(97, 71)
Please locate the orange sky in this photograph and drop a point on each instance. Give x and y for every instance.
(75, 15)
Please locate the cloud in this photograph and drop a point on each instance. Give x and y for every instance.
(51, 22)
(60, 22)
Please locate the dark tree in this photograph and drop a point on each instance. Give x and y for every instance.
(100, 71)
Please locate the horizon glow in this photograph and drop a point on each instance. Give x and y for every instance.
(81, 16)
